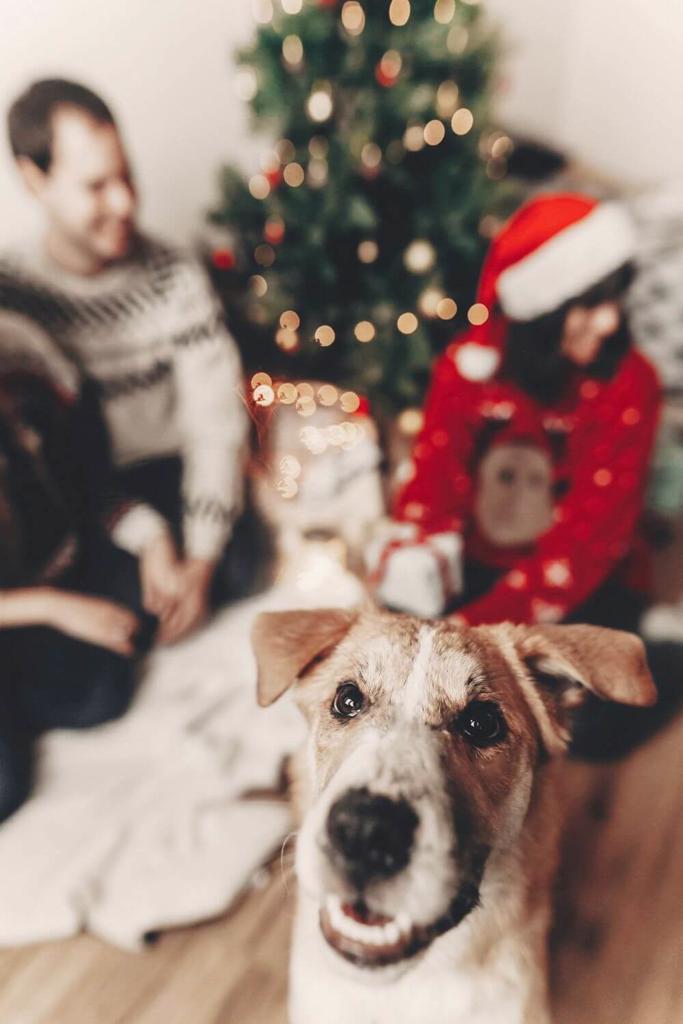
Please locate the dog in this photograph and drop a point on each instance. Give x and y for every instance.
(431, 784)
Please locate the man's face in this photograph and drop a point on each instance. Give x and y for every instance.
(87, 191)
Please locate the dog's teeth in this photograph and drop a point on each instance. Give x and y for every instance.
(391, 933)
(404, 924)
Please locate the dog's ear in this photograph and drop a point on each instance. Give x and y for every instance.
(566, 662)
(287, 643)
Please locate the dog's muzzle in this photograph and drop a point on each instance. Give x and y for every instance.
(370, 836)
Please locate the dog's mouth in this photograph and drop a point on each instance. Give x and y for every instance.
(369, 939)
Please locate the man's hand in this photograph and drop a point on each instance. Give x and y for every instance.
(192, 604)
(161, 576)
(92, 619)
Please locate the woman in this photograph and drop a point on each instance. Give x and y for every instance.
(537, 437)
(70, 619)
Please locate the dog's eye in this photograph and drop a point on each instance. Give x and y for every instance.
(482, 724)
(348, 701)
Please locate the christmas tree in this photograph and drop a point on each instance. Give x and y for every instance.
(358, 243)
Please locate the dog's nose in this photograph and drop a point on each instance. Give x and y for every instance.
(371, 835)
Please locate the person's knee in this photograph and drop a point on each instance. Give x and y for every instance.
(16, 774)
(105, 699)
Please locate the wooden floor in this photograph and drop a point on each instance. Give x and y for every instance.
(618, 951)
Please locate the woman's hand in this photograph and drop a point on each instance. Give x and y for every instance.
(160, 576)
(92, 619)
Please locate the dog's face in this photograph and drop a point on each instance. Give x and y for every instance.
(425, 742)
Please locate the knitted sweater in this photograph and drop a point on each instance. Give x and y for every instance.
(150, 332)
(599, 438)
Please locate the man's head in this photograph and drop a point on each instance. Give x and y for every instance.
(71, 157)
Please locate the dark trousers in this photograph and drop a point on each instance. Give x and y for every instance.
(245, 566)
(52, 681)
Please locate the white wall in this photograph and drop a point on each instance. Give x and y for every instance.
(599, 77)
(602, 77)
(164, 65)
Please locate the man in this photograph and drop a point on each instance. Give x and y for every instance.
(137, 316)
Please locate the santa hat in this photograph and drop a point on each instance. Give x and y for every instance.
(554, 248)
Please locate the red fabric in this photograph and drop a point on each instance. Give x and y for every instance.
(609, 428)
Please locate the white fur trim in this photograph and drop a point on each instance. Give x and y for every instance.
(568, 264)
(476, 362)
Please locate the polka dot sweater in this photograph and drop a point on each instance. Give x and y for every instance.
(599, 438)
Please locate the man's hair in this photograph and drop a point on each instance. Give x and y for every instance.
(533, 359)
(30, 118)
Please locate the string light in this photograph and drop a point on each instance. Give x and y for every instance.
(368, 251)
(371, 155)
(287, 394)
(264, 255)
(305, 390)
(477, 314)
(287, 487)
(457, 40)
(419, 257)
(349, 402)
(293, 50)
(407, 323)
(294, 175)
(462, 121)
(285, 151)
(327, 394)
(263, 395)
(353, 17)
(399, 12)
(501, 147)
(305, 405)
(447, 96)
(292, 6)
(434, 132)
(364, 331)
(444, 11)
(261, 378)
(290, 320)
(290, 466)
(446, 309)
(410, 422)
(325, 335)
(287, 340)
(258, 285)
(319, 105)
(429, 301)
(259, 186)
(414, 138)
(317, 173)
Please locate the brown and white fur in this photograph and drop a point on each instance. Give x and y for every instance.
(442, 919)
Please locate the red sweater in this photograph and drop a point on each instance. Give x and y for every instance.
(600, 465)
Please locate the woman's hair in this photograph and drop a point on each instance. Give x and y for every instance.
(533, 358)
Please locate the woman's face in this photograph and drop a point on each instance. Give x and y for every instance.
(587, 329)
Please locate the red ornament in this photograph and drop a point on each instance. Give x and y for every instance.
(223, 259)
(274, 231)
(383, 78)
(327, 3)
(274, 178)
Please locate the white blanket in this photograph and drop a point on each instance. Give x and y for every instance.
(144, 823)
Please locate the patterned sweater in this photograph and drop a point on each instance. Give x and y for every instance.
(150, 332)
